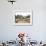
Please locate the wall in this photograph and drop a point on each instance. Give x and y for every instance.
(37, 30)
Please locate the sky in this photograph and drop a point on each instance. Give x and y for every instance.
(23, 14)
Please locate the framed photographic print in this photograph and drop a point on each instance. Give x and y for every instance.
(22, 18)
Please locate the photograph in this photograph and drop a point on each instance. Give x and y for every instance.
(23, 18)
